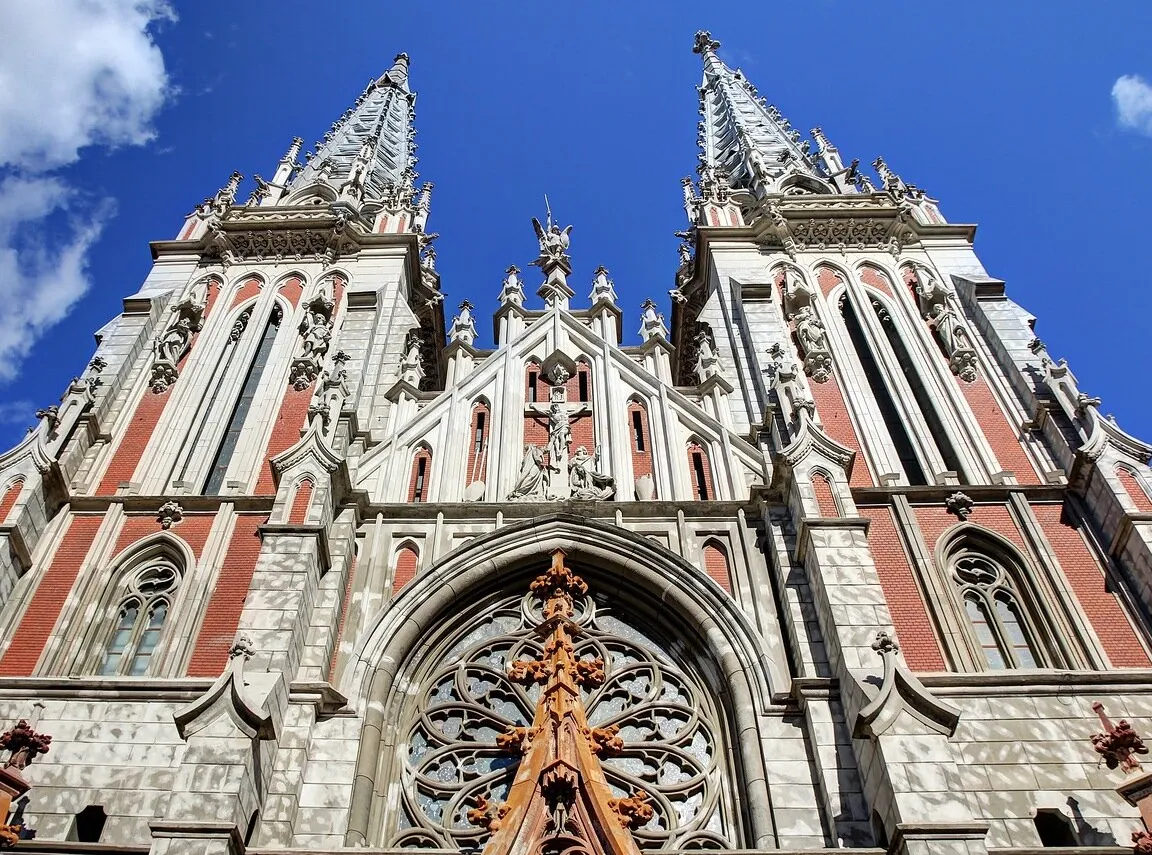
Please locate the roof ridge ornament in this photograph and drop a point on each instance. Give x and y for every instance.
(704, 43)
(560, 799)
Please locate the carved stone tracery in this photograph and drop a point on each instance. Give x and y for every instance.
(488, 719)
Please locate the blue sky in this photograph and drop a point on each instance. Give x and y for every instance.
(117, 117)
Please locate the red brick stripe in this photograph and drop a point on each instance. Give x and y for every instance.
(301, 497)
(227, 600)
(716, 566)
(909, 614)
(825, 498)
(11, 494)
(1131, 483)
(1087, 579)
(407, 562)
(127, 456)
(40, 618)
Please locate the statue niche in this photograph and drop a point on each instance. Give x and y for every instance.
(174, 342)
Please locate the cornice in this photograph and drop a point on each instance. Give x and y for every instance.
(937, 493)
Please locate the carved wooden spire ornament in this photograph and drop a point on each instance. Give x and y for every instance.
(560, 800)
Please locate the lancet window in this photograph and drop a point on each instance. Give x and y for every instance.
(421, 475)
(994, 608)
(937, 434)
(456, 758)
(139, 618)
(700, 472)
(228, 444)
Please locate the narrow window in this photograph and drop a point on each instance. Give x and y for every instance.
(532, 380)
(582, 375)
(936, 432)
(240, 412)
(699, 472)
(479, 437)
(89, 824)
(421, 472)
(897, 430)
(985, 636)
(1055, 829)
(638, 430)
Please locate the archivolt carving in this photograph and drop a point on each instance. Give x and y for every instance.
(659, 726)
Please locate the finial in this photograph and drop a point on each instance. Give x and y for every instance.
(398, 73)
(704, 43)
(293, 151)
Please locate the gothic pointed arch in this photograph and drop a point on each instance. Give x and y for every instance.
(1003, 614)
(131, 630)
(420, 479)
(646, 599)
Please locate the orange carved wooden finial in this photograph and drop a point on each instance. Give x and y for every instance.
(560, 794)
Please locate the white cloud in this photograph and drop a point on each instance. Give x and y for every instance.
(73, 74)
(1133, 97)
(43, 270)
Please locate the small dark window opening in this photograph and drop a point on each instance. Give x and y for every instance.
(638, 429)
(698, 474)
(878, 832)
(89, 824)
(479, 432)
(1054, 828)
(251, 831)
(583, 384)
(421, 471)
(532, 378)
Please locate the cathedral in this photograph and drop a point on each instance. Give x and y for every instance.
(836, 556)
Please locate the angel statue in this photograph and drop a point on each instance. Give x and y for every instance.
(553, 241)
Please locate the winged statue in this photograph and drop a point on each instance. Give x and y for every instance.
(554, 241)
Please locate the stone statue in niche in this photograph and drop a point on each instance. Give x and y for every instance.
(174, 341)
(587, 483)
(944, 320)
(813, 341)
(532, 482)
(317, 333)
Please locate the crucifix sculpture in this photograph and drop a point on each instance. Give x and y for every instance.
(559, 414)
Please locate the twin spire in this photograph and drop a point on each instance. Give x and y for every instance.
(373, 144)
(747, 145)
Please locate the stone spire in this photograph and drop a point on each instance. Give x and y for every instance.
(560, 800)
(741, 135)
(371, 146)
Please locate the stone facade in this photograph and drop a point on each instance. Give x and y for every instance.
(861, 554)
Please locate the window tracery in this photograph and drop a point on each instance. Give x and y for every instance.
(139, 622)
(992, 605)
(668, 721)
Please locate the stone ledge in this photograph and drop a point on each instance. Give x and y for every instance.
(183, 690)
(989, 683)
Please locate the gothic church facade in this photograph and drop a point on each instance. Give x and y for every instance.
(836, 557)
